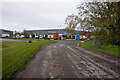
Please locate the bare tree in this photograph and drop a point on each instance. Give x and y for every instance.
(24, 32)
(71, 21)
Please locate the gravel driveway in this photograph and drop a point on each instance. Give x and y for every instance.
(64, 59)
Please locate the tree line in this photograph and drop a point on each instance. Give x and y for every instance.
(20, 33)
(102, 19)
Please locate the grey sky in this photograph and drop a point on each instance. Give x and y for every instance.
(36, 15)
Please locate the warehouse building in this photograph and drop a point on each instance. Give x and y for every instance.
(49, 33)
(44, 34)
(5, 33)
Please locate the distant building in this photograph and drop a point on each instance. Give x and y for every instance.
(5, 33)
(42, 34)
(49, 32)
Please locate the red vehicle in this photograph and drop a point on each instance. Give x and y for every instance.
(55, 36)
(88, 37)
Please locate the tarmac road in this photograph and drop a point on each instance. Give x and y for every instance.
(64, 59)
(11, 40)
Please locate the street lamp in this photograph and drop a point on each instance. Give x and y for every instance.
(59, 28)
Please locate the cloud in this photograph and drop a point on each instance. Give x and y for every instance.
(36, 15)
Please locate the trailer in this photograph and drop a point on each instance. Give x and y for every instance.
(27, 36)
(55, 36)
(82, 37)
(45, 36)
(68, 37)
(77, 37)
(88, 37)
(63, 37)
(41, 36)
(50, 36)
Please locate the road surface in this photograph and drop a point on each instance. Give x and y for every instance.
(11, 40)
(64, 59)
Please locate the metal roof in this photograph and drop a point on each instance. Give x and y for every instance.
(3, 31)
(48, 31)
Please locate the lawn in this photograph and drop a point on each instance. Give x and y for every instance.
(22, 38)
(40, 39)
(113, 50)
(16, 54)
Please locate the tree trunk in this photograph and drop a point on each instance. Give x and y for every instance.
(97, 44)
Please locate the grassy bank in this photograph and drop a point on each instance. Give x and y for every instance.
(16, 54)
(113, 50)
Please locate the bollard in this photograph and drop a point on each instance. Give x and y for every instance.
(30, 41)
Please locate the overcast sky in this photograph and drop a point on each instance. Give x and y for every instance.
(36, 15)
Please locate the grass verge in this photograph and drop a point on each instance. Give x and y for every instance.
(16, 54)
(21, 38)
(113, 50)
